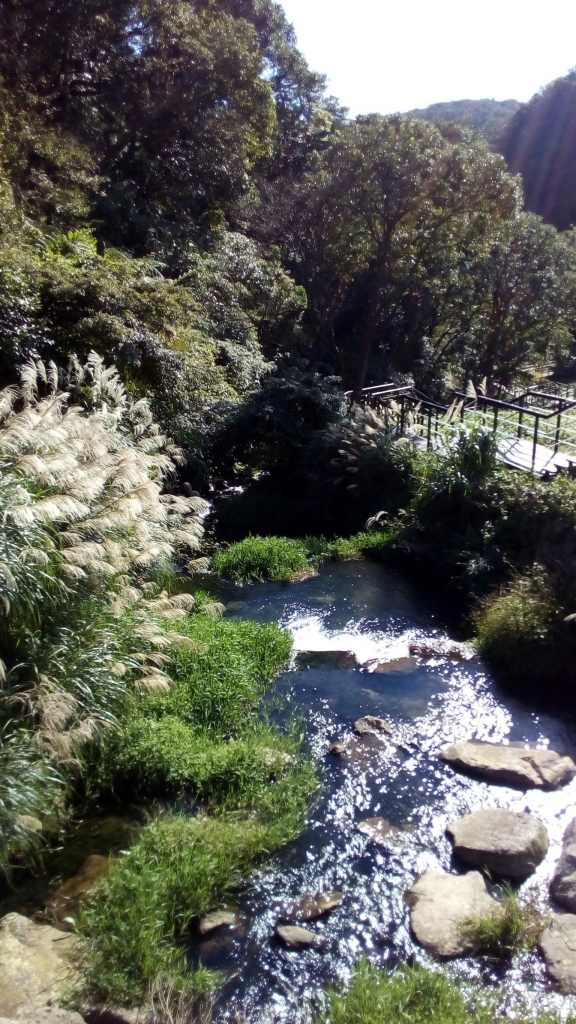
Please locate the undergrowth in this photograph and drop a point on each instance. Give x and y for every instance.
(417, 995)
(263, 558)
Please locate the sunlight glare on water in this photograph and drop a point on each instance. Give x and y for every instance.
(375, 614)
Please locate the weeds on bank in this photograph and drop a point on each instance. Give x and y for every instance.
(416, 995)
(263, 558)
(514, 927)
(368, 542)
(510, 621)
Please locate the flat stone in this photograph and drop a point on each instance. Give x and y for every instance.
(67, 899)
(219, 919)
(563, 884)
(440, 904)
(33, 965)
(511, 765)
(338, 749)
(327, 659)
(295, 937)
(277, 758)
(46, 1015)
(558, 946)
(311, 907)
(371, 724)
(441, 649)
(503, 842)
(27, 821)
(380, 831)
(396, 665)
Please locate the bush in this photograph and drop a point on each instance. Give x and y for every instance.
(263, 558)
(514, 928)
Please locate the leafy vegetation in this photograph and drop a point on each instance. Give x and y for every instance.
(261, 558)
(417, 995)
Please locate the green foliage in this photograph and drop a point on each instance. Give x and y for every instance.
(416, 995)
(179, 868)
(515, 621)
(487, 116)
(369, 542)
(513, 928)
(261, 558)
(29, 786)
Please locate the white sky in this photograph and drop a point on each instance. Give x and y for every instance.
(388, 55)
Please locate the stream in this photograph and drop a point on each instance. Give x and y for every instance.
(374, 613)
(363, 608)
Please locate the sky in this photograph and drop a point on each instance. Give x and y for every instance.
(393, 55)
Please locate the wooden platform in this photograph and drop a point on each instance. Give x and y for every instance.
(518, 453)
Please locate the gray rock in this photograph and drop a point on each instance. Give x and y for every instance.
(511, 765)
(295, 937)
(381, 832)
(441, 649)
(507, 844)
(218, 919)
(558, 946)
(33, 965)
(311, 907)
(337, 749)
(441, 904)
(46, 1015)
(371, 724)
(404, 665)
(67, 899)
(563, 884)
(327, 659)
(29, 822)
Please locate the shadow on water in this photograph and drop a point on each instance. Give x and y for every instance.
(375, 614)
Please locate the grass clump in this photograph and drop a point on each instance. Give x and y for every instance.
(179, 868)
(367, 542)
(513, 928)
(416, 995)
(263, 558)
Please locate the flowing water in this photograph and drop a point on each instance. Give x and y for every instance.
(362, 608)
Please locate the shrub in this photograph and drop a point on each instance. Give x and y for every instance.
(516, 625)
(263, 558)
(514, 928)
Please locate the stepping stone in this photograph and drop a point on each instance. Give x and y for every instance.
(337, 749)
(441, 904)
(563, 884)
(503, 842)
(295, 937)
(441, 649)
(512, 766)
(218, 919)
(311, 907)
(326, 659)
(558, 946)
(381, 832)
(371, 724)
(397, 665)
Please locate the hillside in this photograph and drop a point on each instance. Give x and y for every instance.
(487, 116)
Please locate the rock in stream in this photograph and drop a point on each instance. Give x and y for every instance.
(505, 843)
(511, 765)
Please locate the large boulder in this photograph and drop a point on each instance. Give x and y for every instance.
(371, 724)
(440, 906)
(34, 965)
(503, 842)
(513, 766)
(563, 884)
(558, 946)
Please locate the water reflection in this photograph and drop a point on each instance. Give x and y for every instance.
(361, 608)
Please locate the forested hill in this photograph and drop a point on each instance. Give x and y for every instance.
(487, 116)
(539, 142)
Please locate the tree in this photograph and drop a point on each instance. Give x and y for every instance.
(382, 221)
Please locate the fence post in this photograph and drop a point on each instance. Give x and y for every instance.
(536, 423)
(520, 415)
(401, 414)
(557, 438)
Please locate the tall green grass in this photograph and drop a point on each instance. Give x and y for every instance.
(417, 995)
(514, 928)
(263, 558)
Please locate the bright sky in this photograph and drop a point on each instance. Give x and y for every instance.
(388, 55)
